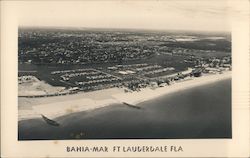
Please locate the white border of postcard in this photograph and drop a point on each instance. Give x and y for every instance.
(238, 146)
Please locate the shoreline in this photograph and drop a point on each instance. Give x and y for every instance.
(148, 93)
(52, 108)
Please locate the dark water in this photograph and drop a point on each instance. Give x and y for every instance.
(201, 112)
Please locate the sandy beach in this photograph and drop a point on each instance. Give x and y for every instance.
(52, 107)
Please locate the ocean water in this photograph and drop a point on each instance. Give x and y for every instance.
(200, 112)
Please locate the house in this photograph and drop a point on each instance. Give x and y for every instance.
(187, 72)
(197, 72)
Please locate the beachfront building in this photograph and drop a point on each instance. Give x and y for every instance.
(187, 72)
(197, 72)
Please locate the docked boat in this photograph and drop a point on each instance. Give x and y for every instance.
(49, 121)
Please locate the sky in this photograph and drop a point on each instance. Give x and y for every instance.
(202, 15)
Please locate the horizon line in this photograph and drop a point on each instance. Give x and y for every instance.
(125, 29)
